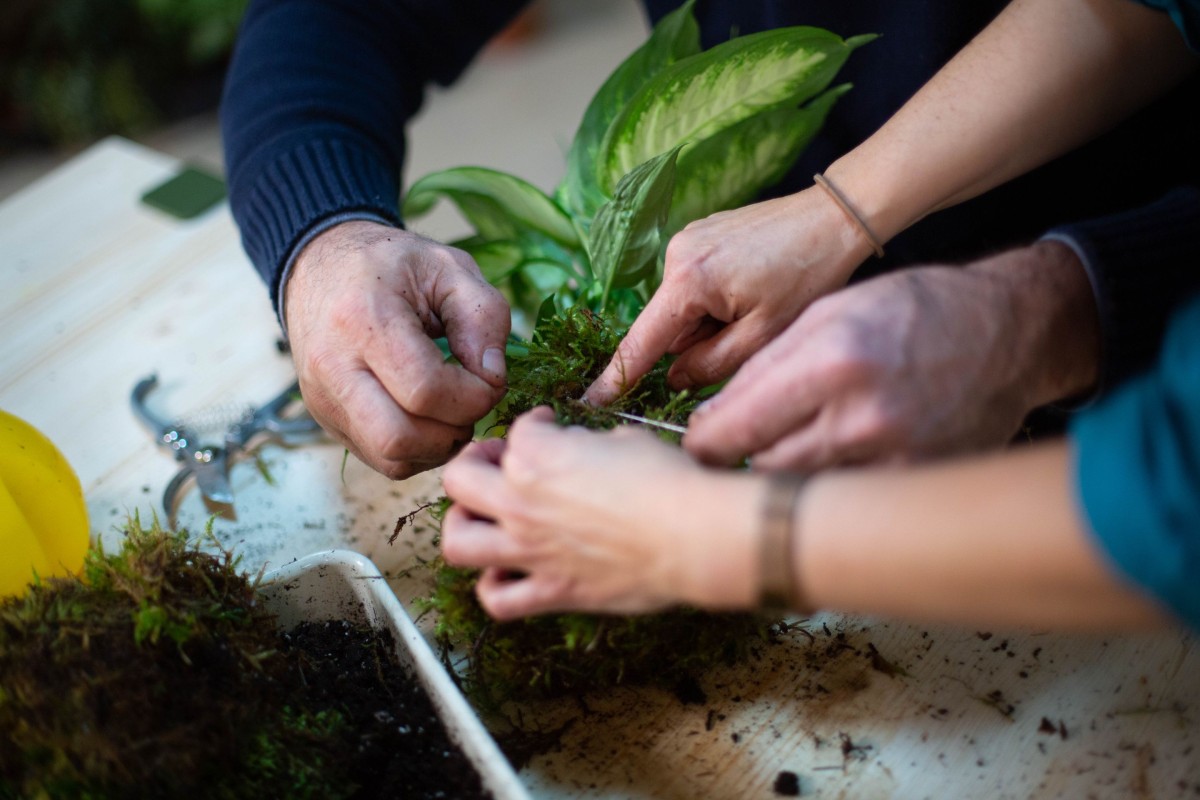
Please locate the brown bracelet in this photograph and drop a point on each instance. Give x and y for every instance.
(848, 210)
(778, 588)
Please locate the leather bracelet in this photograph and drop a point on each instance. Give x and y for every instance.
(778, 587)
(848, 210)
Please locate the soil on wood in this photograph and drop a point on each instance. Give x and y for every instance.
(159, 674)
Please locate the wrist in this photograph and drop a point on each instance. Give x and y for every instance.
(1057, 327)
(721, 568)
(779, 585)
(337, 235)
(850, 212)
(879, 191)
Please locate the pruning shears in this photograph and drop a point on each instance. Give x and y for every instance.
(208, 465)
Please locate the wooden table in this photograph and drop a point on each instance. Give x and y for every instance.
(99, 291)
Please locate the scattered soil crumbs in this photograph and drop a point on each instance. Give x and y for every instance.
(787, 784)
(521, 746)
(1049, 727)
(158, 673)
(996, 699)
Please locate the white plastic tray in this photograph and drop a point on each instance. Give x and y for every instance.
(342, 584)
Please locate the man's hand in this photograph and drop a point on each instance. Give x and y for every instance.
(363, 305)
(912, 364)
(731, 283)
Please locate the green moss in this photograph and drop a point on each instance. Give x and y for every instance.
(565, 355)
(159, 673)
(562, 654)
(555, 655)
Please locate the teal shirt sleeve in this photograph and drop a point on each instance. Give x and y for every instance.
(1185, 14)
(1137, 470)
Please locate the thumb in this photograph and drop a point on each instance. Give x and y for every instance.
(646, 342)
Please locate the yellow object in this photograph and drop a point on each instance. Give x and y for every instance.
(43, 519)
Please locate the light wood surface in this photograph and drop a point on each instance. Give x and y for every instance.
(97, 291)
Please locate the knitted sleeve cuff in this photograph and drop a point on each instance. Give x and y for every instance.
(1142, 263)
(304, 185)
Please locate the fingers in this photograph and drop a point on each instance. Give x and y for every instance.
(704, 329)
(651, 334)
(505, 598)
(475, 480)
(471, 542)
(477, 321)
(367, 421)
(825, 443)
(362, 304)
(753, 412)
(710, 360)
(413, 371)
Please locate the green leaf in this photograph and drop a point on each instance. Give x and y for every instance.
(498, 205)
(699, 96)
(529, 286)
(675, 37)
(496, 258)
(555, 305)
(733, 166)
(625, 236)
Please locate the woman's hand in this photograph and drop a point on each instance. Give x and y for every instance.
(568, 519)
(731, 283)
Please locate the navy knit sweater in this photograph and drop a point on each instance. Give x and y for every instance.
(320, 91)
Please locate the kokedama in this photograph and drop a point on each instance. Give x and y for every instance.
(673, 135)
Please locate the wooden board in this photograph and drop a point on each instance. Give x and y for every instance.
(97, 291)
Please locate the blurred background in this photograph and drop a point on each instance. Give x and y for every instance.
(75, 71)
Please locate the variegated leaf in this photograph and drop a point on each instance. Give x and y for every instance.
(675, 37)
(733, 166)
(697, 97)
(624, 241)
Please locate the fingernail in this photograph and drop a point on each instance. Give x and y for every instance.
(493, 362)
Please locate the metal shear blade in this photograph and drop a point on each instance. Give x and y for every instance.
(208, 465)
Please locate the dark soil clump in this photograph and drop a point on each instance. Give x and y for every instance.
(787, 784)
(160, 674)
(395, 739)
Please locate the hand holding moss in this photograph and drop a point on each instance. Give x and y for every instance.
(920, 363)
(731, 283)
(363, 304)
(615, 521)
